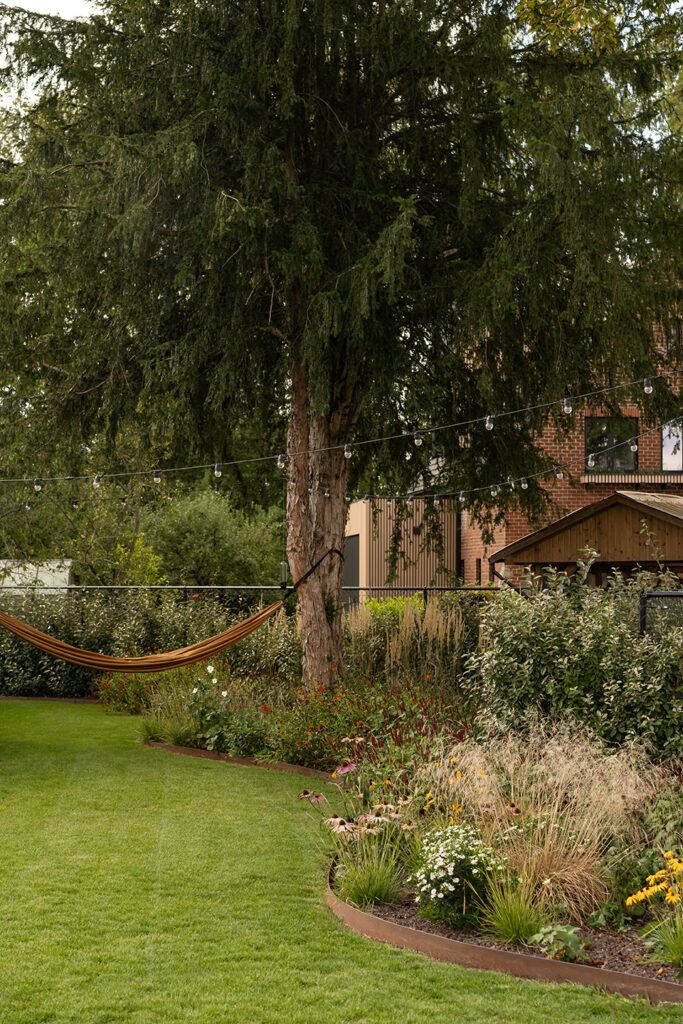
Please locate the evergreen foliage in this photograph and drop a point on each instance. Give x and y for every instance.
(359, 218)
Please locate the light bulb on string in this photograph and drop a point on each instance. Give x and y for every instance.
(436, 501)
(524, 484)
(266, 482)
(348, 451)
(494, 490)
(488, 423)
(389, 501)
(558, 472)
(327, 492)
(169, 496)
(124, 502)
(366, 498)
(157, 477)
(461, 497)
(37, 485)
(633, 445)
(217, 471)
(75, 504)
(310, 487)
(511, 483)
(292, 481)
(280, 462)
(567, 406)
(647, 386)
(347, 496)
(409, 500)
(27, 506)
(417, 438)
(97, 480)
(591, 461)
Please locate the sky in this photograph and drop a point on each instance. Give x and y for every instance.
(64, 8)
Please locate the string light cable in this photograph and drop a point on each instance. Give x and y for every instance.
(494, 489)
(512, 483)
(566, 404)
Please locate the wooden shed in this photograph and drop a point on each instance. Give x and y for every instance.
(618, 528)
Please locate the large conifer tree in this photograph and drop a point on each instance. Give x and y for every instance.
(364, 217)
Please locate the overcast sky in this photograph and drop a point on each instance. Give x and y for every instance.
(65, 8)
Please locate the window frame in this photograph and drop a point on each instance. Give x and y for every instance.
(587, 452)
(679, 424)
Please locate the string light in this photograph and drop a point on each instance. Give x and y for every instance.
(97, 480)
(27, 506)
(37, 485)
(310, 487)
(366, 498)
(633, 445)
(461, 497)
(558, 472)
(567, 406)
(217, 471)
(348, 451)
(511, 483)
(591, 461)
(524, 483)
(266, 482)
(488, 421)
(347, 496)
(417, 438)
(436, 501)
(75, 504)
(409, 500)
(494, 490)
(157, 477)
(327, 492)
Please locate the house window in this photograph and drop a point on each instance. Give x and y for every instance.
(673, 336)
(607, 444)
(672, 448)
(478, 571)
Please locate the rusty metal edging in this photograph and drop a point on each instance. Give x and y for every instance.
(250, 762)
(465, 954)
(485, 959)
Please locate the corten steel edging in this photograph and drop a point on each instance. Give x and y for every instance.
(485, 959)
(250, 762)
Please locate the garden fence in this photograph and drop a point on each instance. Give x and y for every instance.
(660, 611)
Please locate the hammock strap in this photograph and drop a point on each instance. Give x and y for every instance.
(152, 662)
(302, 579)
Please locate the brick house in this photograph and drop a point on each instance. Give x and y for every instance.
(653, 465)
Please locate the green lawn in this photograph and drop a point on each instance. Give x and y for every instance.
(139, 886)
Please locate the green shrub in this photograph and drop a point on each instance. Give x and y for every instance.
(512, 912)
(573, 651)
(560, 941)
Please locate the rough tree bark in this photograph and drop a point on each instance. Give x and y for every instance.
(316, 522)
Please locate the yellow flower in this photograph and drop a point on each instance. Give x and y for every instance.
(372, 785)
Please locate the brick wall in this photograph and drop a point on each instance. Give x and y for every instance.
(578, 487)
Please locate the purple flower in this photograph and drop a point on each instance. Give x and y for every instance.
(345, 769)
(317, 798)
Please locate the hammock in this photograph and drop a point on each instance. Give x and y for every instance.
(149, 663)
(152, 662)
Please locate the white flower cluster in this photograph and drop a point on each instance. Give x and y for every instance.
(453, 859)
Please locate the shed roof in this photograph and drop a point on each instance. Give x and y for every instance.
(665, 507)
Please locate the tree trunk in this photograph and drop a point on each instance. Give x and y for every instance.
(315, 524)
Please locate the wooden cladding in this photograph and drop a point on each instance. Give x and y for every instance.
(615, 533)
(420, 563)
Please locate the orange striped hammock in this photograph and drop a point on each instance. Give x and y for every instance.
(149, 663)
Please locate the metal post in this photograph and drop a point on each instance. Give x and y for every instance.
(642, 624)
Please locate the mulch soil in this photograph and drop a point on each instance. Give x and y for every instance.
(613, 951)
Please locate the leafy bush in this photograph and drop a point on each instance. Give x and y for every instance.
(201, 539)
(560, 942)
(575, 651)
(453, 867)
